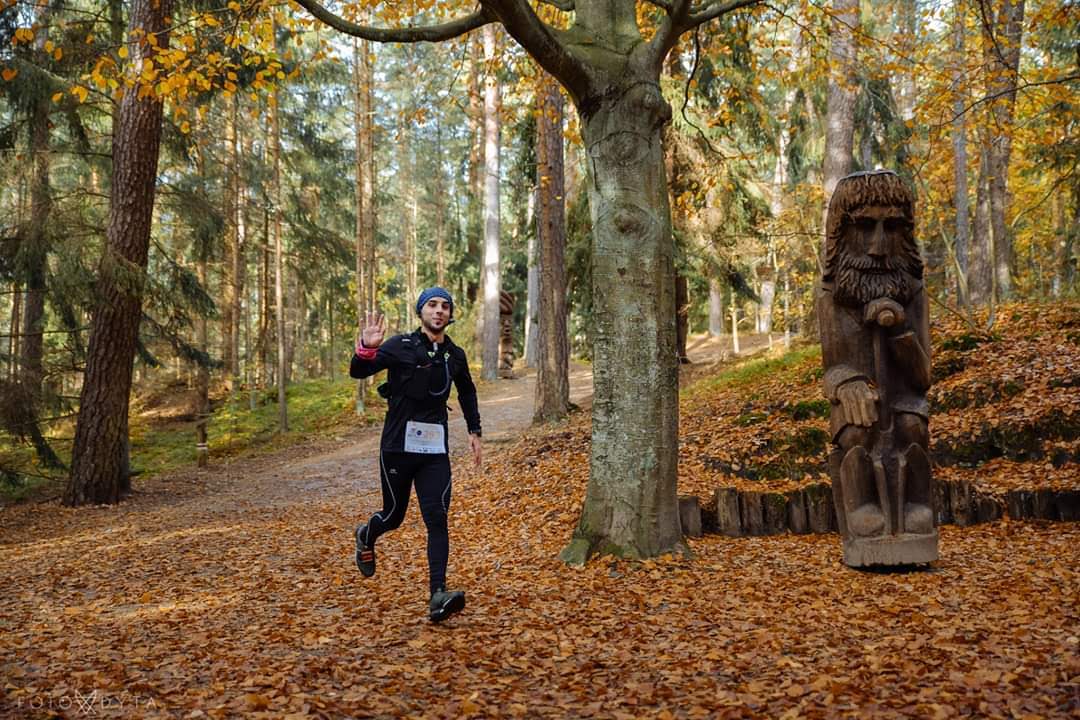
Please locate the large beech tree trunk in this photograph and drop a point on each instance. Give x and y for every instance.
(631, 506)
(553, 345)
(99, 471)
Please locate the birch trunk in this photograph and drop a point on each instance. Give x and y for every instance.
(491, 277)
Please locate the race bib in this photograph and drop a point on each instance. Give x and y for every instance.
(425, 438)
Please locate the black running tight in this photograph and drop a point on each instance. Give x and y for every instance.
(431, 475)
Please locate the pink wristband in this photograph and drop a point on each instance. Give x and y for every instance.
(365, 353)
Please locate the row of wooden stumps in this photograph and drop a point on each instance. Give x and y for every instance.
(748, 513)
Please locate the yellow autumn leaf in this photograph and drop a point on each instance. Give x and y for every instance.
(123, 51)
(80, 92)
(57, 54)
(58, 97)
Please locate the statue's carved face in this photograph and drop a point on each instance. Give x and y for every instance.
(874, 254)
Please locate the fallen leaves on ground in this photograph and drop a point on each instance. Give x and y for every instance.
(203, 596)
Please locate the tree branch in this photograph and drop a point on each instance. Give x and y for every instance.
(665, 5)
(671, 27)
(540, 41)
(564, 5)
(711, 10)
(430, 33)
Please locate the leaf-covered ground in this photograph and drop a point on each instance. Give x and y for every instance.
(234, 593)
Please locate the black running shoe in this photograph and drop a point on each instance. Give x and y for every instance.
(365, 556)
(444, 604)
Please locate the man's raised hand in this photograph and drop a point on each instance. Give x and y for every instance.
(374, 330)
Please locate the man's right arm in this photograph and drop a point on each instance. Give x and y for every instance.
(368, 361)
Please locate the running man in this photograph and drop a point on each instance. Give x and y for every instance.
(414, 447)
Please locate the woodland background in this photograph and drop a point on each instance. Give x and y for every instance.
(359, 168)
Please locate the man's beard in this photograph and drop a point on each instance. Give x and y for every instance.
(860, 280)
(430, 326)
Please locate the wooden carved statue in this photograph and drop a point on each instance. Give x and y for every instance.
(875, 338)
(506, 335)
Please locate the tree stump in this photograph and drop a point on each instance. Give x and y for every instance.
(1020, 504)
(963, 504)
(942, 504)
(820, 514)
(774, 513)
(797, 519)
(690, 515)
(1044, 505)
(727, 512)
(1068, 505)
(752, 513)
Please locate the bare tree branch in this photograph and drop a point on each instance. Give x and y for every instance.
(564, 5)
(430, 33)
(710, 10)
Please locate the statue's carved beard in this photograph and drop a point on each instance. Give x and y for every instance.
(861, 279)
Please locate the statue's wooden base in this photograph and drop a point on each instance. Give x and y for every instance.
(905, 549)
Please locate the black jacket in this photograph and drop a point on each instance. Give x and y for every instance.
(419, 384)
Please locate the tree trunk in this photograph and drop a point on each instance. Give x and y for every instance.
(716, 308)
(532, 299)
(279, 267)
(491, 278)
(842, 93)
(552, 399)
(99, 471)
(359, 125)
(980, 276)
(202, 382)
(962, 242)
(631, 505)
(229, 288)
(734, 324)
(682, 316)
(440, 209)
(236, 255)
(1002, 36)
(474, 220)
(36, 245)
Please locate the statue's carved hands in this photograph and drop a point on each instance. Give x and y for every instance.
(885, 312)
(374, 330)
(859, 402)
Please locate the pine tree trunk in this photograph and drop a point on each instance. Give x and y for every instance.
(552, 394)
(35, 249)
(99, 471)
(359, 126)
(961, 203)
(474, 220)
(279, 268)
(491, 278)
(631, 504)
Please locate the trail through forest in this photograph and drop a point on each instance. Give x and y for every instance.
(234, 593)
